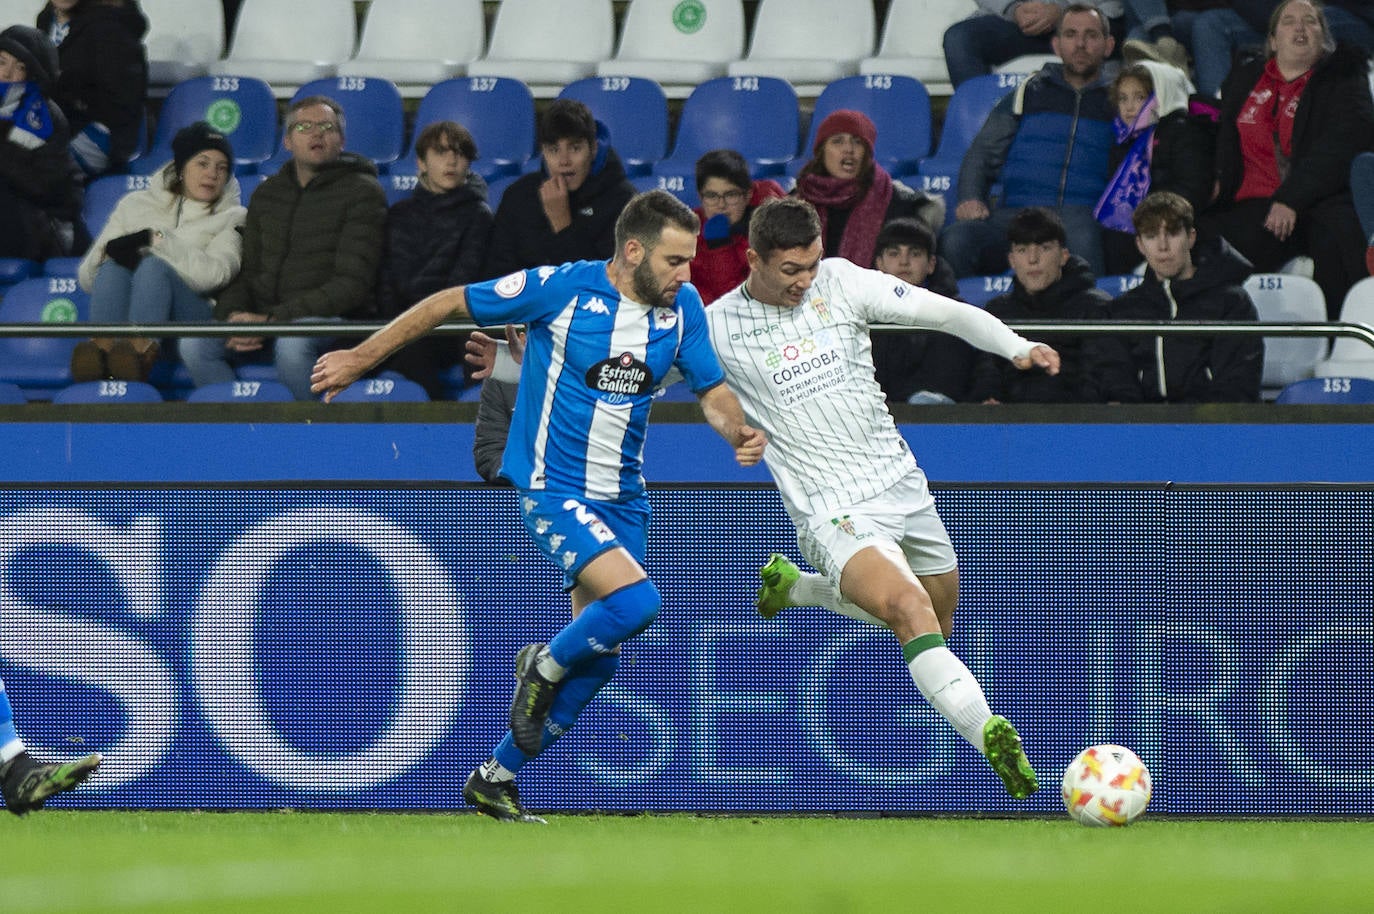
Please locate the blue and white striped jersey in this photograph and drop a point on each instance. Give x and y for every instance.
(593, 361)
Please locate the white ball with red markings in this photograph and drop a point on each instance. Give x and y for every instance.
(1106, 786)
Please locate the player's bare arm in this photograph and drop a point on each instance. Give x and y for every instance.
(726, 416)
(336, 370)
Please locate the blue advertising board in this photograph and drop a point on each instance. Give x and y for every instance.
(351, 648)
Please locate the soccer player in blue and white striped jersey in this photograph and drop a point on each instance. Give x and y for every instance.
(602, 338)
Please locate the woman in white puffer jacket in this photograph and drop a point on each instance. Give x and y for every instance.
(164, 251)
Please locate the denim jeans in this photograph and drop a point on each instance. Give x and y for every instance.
(1217, 34)
(978, 247)
(153, 293)
(209, 362)
(975, 45)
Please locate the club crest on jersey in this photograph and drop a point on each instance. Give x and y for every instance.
(821, 308)
(665, 318)
(845, 524)
(623, 374)
(510, 286)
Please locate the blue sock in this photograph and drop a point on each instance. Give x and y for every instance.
(579, 687)
(7, 732)
(606, 623)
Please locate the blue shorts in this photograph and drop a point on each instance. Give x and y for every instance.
(572, 531)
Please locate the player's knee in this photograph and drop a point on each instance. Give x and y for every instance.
(635, 606)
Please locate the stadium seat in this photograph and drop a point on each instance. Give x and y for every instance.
(684, 187)
(108, 392)
(398, 187)
(1351, 357)
(1117, 285)
(62, 267)
(290, 43)
(387, 387)
(899, 107)
(35, 363)
(979, 290)
(787, 44)
(248, 184)
(756, 116)
(634, 110)
(548, 42)
(499, 112)
(1025, 64)
(241, 392)
(496, 187)
(103, 195)
(676, 43)
(1281, 297)
(1327, 390)
(241, 107)
(968, 108)
(912, 42)
(418, 42)
(16, 269)
(11, 394)
(184, 38)
(374, 116)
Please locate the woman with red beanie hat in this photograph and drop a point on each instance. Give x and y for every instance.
(853, 194)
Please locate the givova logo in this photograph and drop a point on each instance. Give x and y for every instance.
(689, 16)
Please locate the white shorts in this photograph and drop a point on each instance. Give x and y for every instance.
(902, 518)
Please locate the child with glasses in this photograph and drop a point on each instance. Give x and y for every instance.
(728, 198)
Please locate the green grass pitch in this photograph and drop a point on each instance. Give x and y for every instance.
(67, 862)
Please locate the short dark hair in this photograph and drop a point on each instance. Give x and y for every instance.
(724, 163)
(647, 214)
(1085, 8)
(446, 133)
(311, 101)
(1036, 225)
(913, 233)
(1163, 209)
(781, 224)
(566, 119)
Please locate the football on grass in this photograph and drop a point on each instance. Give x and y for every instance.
(1105, 786)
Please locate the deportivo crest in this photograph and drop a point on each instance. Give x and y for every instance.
(665, 318)
(623, 374)
(510, 286)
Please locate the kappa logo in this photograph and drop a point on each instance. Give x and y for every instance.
(596, 306)
(556, 541)
(569, 559)
(542, 525)
(528, 505)
(545, 273)
(510, 286)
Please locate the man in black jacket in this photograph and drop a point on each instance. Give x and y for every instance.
(567, 211)
(1185, 281)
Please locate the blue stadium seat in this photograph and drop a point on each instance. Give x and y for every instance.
(496, 187)
(16, 269)
(103, 195)
(62, 267)
(11, 394)
(241, 107)
(398, 187)
(242, 392)
(755, 115)
(978, 290)
(387, 387)
(634, 110)
(248, 184)
(682, 186)
(1327, 390)
(40, 364)
(108, 392)
(1116, 285)
(969, 107)
(374, 114)
(898, 106)
(499, 113)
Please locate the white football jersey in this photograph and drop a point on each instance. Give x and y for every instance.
(805, 376)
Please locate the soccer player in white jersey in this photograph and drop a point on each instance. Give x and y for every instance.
(602, 337)
(794, 342)
(25, 782)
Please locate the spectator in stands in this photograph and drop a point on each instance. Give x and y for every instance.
(1160, 145)
(1049, 284)
(311, 247)
(104, 78)
(728, 197)
(40, 200)
(1291, 123)
(163, 252)
(998, 32)
(919, 366)
(1187, 280)
(1162, 31)
(853, 194)
(1048, 142)
(436, 238)
(566, 211)
(1362, 189)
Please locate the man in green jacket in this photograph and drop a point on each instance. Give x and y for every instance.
(311, 248)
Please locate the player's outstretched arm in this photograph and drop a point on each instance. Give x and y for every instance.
(1040, 356)
(725, 415)
(336, 370)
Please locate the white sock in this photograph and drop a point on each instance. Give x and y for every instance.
(549, 668)
(493, 771)
(816, 590)
(950, 688)
(10, 750)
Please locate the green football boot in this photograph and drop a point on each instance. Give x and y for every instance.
(778, 577)
(1002, 746)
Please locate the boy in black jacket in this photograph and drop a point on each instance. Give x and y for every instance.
(1186, 280)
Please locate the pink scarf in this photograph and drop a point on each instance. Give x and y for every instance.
(866, 216)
